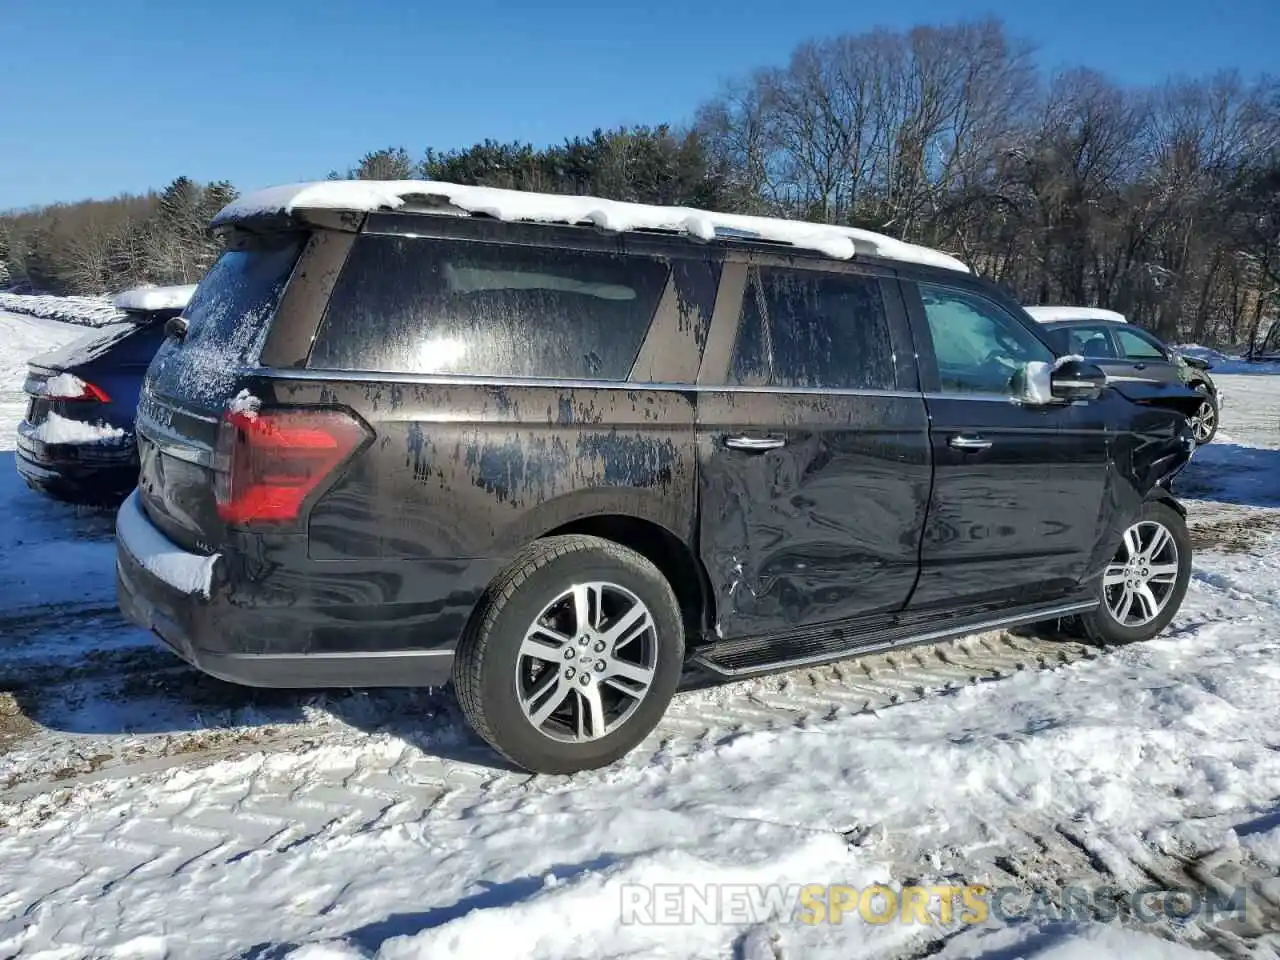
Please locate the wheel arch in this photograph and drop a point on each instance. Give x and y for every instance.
(673, 557)
(1160, 494)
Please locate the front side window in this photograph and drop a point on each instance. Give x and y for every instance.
(407, 305)
(803, 328)
(979, 347)
(1138, 347)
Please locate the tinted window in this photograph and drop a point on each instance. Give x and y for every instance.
(140, 346)
(802, 328)
(750, 366)
(979, 347)
(1138, 347)
(424, 306)
(226, 320)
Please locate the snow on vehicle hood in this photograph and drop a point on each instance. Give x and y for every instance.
(145, 299)
(840, 243)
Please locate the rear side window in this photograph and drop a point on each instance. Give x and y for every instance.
(226, 320)
(802, 328)
(404, 305)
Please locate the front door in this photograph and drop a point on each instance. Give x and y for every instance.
(1018, 488)
(1142, 357)
(812, 449)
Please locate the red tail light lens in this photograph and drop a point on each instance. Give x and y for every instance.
(267, 463)
(66, 386)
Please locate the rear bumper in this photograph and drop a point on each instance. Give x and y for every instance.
(81, 473)
(158, 588)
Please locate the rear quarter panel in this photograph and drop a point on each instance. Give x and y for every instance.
(465, 470)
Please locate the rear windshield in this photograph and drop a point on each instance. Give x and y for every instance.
(226, 320)
(407, 305)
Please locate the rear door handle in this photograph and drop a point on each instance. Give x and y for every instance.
(969, 443)
(755, 444)
(1139, 366)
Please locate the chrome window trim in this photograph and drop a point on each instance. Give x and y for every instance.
(455, 380)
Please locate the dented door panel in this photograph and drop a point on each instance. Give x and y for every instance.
(823, 528)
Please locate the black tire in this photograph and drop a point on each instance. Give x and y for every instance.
(1101, 625)
(1212, 401)
(487, 659)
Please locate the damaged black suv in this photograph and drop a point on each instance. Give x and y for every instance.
(566, 452)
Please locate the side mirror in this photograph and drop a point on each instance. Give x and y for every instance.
(1077, 380)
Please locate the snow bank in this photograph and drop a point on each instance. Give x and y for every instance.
(841, 243)
(86, 311)
(58, 429)
(1054, 314)
(185, 572)
(155, 298)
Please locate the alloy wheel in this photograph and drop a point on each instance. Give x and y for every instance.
(1140, 580)
(586, 662)
(1203, 422)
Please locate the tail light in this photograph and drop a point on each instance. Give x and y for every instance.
(67, 386)
(267, 463)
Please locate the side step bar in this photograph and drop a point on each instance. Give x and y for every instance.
(749, 656)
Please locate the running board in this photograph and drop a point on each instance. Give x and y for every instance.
(851, 638)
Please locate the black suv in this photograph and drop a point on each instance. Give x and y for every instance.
(566, 452)
(1125, 352)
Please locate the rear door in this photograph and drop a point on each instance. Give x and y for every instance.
(192, 378)
(1017, 489)
(812, 449)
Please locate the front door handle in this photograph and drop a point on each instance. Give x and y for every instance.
(1139, 366)
(755, 444)
(969, 443)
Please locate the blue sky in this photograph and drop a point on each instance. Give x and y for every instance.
(105, 97)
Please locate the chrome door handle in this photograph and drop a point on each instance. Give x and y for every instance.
(755, 444)
(969, 443)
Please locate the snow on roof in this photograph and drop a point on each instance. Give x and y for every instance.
(154, 298)
(840, 243)
(1055, 314)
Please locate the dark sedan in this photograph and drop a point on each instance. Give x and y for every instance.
(76, 442)
(1125, 352)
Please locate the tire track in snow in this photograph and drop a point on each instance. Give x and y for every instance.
(694, 719)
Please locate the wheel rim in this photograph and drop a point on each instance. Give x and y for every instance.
(1139, 582)
(586, 662)
(1202, 423)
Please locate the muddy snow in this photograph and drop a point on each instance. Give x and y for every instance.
(148, 811)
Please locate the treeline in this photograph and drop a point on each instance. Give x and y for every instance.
(100, 246)
(1163, 203)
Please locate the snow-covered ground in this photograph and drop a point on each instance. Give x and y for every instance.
(147, 811)
(85, 311)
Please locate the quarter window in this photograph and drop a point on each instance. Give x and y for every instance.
(802, 328)
(407, 305)
(979, 347)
